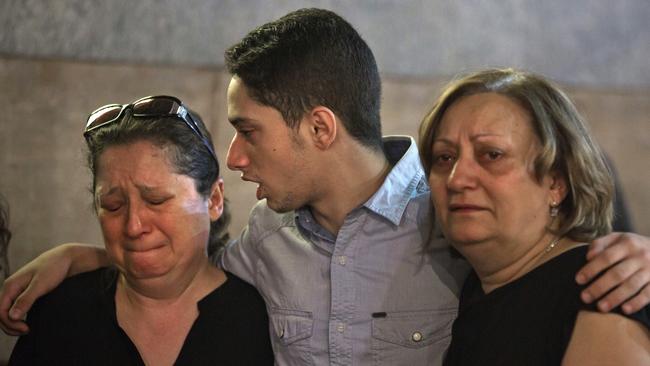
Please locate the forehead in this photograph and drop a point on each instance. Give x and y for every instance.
(240, 102)
(142, 158)
(485, 113)
(244, 110)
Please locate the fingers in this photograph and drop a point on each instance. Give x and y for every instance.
(631, 285)
(597, 264)
(623, 259)
(599, 245)
(638, 302)
(12, 325)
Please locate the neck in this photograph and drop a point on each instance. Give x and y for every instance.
(498, 263)
(170, 289)
(353, 175)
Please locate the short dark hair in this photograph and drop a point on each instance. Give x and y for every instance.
(184, 149)
(307, 58)
(567, 146)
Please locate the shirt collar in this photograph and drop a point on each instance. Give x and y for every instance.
(402, 183)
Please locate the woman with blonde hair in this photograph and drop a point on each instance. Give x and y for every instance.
(519, 186)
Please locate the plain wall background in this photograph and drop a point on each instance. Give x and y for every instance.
(59, 60)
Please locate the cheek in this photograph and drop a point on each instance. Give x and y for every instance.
(111, 228)
(193, 224)
(438, 190)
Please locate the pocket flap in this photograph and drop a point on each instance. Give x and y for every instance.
(414, 329)
(290, 326)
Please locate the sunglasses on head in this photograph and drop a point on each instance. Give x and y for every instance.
(153, 106)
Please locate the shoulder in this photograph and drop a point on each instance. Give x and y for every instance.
(68, 310)
(237, 294)
(608, 339)
(81, 288)
(263, 220)
(236, 284)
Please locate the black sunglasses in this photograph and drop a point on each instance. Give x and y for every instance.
(152, 106)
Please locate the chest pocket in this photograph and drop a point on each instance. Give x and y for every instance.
(412, 337)
(291, 332)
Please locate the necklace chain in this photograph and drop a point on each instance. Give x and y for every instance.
(552, 244)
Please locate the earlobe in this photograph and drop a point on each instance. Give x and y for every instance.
(558, 189)
(215, 202)
(323, 127)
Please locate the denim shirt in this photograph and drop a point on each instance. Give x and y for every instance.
(384, 291)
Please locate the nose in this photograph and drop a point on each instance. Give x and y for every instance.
(463, 174)
(135, 221)
(237, 158)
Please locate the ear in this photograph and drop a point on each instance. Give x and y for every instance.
(322, 127)
(557, 189)
(215, 201)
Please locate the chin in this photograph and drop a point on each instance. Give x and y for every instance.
(142, 272)
(466, 235)
(149, 268)
(283, 206)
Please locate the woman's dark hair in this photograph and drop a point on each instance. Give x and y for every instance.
(5, 236)
(184, 149)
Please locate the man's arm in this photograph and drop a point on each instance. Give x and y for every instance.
(625, 260)
(40, 276)
(240, 256)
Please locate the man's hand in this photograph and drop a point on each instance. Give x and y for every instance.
(625, 258)
(39, 277)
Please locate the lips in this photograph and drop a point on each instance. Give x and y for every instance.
(464, 207)
(258, 193)
(141, 248)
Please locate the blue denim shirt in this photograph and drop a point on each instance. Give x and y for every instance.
(384, 291)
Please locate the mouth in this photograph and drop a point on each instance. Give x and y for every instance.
(247, 179)
(139, 248)
(258, 193)
(465, 208)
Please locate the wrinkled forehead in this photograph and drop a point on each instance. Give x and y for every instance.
(485, 113)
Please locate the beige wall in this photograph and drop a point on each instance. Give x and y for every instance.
(45, 104)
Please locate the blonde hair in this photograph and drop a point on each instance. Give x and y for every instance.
(567, 146)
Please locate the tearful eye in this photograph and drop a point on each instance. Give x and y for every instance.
(442, 161)
(494, 155)
(443, 158)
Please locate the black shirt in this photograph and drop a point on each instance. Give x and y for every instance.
(76, 324)
(526, 322)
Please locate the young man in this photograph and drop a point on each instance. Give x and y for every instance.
(342, 245)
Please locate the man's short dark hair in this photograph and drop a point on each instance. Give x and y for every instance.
(307, 58)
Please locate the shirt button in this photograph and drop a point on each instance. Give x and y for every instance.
(343, 260)
(281, 334)
(416, 337)
(340, 328)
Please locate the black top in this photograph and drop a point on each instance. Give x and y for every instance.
(526, 322)
(76, 324)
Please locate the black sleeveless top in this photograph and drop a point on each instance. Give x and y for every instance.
(526, 322)
(76, 324)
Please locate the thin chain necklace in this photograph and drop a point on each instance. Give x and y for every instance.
(552, 245)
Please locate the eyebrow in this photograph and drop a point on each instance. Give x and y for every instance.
(147, 189)
(141, 188)
(473, 138)
(237, 121)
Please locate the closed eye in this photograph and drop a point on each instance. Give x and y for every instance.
(157, 201)
(110, 207)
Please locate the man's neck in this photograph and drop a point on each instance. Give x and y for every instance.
(355, 177)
